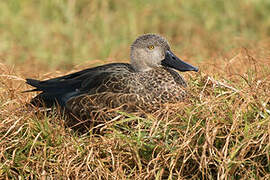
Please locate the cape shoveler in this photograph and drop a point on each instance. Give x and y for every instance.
(149, 79)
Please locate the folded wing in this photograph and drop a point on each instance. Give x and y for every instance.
(59, 90)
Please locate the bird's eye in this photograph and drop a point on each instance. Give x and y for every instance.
(151, 47)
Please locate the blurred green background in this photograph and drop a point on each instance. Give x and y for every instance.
(62, 33)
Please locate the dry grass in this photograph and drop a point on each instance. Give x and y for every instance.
(222, 130)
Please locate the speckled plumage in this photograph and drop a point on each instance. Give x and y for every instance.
(142, 89)
(149, 80)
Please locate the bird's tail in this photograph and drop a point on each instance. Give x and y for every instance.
(48, 97)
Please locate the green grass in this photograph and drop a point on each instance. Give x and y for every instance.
(221, 130)
(65, 32)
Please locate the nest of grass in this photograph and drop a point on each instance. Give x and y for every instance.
(221, 131)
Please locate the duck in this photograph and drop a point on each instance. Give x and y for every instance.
(151, 78)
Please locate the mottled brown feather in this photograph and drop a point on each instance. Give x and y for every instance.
(131, 90)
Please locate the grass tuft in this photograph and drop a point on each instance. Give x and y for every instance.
(221, 130)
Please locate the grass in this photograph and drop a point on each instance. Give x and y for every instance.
(220, 131)
(63, 33)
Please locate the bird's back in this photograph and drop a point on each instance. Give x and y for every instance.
(159, 85)
(59, 90)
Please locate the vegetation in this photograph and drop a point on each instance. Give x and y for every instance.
(221, 131)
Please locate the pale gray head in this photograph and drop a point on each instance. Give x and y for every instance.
(151, 50)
